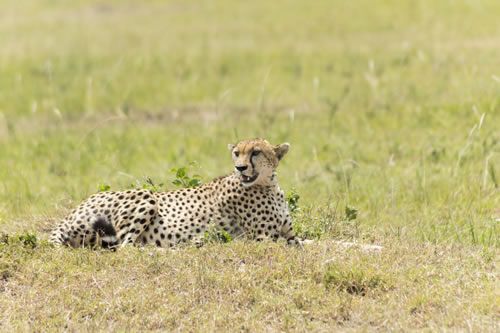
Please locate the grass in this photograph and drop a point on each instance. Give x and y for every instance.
(246, 286)
(392, 112)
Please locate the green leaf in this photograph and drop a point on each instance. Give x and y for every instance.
(181, 172)
(194, 182)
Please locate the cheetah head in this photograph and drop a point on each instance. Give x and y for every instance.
(256, 160)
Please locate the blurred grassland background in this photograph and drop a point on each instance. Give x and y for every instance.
(391, 108)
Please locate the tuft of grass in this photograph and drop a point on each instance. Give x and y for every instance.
(355, 280)
(351, 213)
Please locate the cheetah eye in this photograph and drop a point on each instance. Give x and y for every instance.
(236, 153)
(255, 153)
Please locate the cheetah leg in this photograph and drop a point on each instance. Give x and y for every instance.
(58, 234)
(198, 241)
(288, 234)
(262, 238)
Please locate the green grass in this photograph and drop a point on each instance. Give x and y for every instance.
(392, 108)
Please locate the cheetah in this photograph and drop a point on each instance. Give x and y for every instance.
(247, 203)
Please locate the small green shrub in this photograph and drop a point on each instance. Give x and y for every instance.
(214, 235)
(103, 188)
(292, 199)
(183, 179)
(28, 240)
(147, 184)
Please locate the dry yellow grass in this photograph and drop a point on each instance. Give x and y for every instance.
(250, 287)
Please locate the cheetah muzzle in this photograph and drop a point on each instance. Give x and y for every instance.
(247, 203)
(248, 180)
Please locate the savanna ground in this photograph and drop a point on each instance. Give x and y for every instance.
(392, 109)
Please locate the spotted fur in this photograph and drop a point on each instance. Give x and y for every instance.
(248, 203)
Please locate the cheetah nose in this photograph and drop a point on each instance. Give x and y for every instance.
(241, 168)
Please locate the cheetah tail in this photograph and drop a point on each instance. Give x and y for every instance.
(106, 232)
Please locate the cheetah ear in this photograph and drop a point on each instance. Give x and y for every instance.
(281, 150)
(230, 147)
